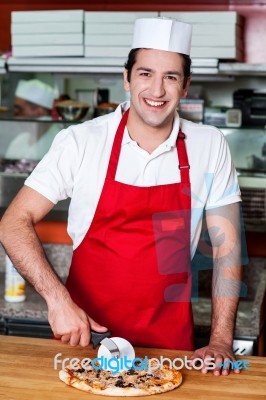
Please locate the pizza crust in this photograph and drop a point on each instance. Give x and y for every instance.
(168, 380)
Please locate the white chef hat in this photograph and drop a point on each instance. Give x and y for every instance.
(162, 34)
(36, 92)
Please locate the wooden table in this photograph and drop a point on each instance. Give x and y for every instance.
(27, 373)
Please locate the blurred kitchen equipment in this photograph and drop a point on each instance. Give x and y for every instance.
(93, 97)
(233, 118)
(252, 103)
(223, 116)
(191, 109)
(247, 148)
(72, 110)
(104, 108)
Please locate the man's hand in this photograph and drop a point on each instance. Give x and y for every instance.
(71, 324)
(221, 353)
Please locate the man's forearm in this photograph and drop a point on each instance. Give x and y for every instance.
(225, 233)
(18, 237)
(225, 299)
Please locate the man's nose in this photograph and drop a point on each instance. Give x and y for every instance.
(157, 87)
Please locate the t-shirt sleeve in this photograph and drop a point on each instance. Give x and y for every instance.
(54, 175)
(224, 188)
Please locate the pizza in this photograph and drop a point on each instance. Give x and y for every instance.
(132, 382)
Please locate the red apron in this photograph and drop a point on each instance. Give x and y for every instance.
(131, 272)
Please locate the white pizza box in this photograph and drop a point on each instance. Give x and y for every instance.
(230, 52)
(41, 39)
(106, 51)
(116, 16)
(44, 27)
(47, 16)
(219, 17)
(217, 52)
(53, 51)
(205, 62)
(108, 40)
(104, 61)
(205, 71)
(228, 30)
(216, 40)
(108, 29)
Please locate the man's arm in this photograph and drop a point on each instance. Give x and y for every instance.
(17, 234)
(225, 233)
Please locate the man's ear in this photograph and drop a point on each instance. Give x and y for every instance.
(126, 83)
(185, 90)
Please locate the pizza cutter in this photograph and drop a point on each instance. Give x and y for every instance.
(113, 348)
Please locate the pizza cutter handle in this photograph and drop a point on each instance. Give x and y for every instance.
(97, 337)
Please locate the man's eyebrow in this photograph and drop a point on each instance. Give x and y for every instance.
(144, 69)
(166, 72)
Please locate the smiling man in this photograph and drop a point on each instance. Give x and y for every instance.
(139, 180)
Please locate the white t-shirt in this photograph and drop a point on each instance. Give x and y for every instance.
(77, 161)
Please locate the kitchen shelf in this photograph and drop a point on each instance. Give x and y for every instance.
(61, 65)
(76, 65)
(229, 68)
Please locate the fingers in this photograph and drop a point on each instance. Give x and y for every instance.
(218, 365)
(206, 367)
(226, 366)
(95, 326)
(220, 361)
(79, 333)
(84, 340)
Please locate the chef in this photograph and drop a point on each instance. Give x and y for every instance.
(33, 100)
(139, 180)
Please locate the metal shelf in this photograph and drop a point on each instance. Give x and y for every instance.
(74, 65)
(211, 68)
(242, 69)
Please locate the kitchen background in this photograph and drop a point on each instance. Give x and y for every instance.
(216, 93)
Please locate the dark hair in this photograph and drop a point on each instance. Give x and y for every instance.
(132, 56)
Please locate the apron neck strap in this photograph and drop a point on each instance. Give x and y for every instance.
(182, 157)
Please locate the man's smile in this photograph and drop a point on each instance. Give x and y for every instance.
(154, 103)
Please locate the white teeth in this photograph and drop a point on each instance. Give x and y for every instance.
(154, 103)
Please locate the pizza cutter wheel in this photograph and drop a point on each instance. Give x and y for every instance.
(114, 347)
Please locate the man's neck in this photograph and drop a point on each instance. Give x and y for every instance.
(148, 137)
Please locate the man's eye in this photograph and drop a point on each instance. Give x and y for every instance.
(145, 74)
(171, 77)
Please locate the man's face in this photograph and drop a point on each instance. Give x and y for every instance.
(25, 109)
(156, 86)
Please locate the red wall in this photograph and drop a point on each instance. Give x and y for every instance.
(254, 12)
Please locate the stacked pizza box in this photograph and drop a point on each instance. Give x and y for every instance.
(108, 35)
(104, 38)
(47, 33)
(215, 34)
